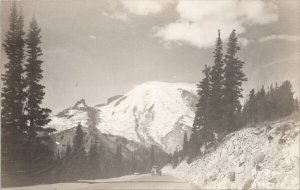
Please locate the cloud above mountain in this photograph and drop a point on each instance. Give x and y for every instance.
(291, 38)
(120, 9)
(145, 7)
(199, 21)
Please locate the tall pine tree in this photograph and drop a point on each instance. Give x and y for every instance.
(185, 145)
(200, 120)
(296, 104)
(37, 117)
(94, 160)
(77, 161)
(133, 163)
(250, 109)
(215, 108)
(261, 104)
(285, 98)
(118, 160)
(12, 96)
(233, 78)
(175, 159)
(68, 150)
(202, 106)
(152, 156)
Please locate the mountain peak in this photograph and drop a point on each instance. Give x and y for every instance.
(80, 104)
(163, 85)
(153, 112)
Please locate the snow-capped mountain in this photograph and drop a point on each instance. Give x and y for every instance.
(152, 113)
(155, 113)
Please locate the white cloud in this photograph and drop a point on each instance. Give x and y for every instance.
(116, 15)
(119, 9)
(279, 37)
(92, 37)
(199, 20)
(144, 7)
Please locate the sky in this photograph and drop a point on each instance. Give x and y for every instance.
(95, 49)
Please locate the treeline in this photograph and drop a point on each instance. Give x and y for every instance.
(77, 163)
(25, 144)
(89, 158)
(219, 110)
(275, 102)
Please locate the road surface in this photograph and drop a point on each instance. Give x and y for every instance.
(144, 181)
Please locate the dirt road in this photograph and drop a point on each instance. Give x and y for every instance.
(144, 181)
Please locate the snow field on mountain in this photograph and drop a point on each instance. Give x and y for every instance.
(72, 120)
(264, 157)
(149, 111)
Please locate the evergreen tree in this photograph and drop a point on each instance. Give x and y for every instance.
(202, 106)
(170, 158)
(262, 91)
(261, 104)
(78, 143)
(133, 163)
(77, 161)
(68, 150)
(273, 107)
(118, 160)
(233, 78)
(296, 105)
(279, 102)
(94, 158)
(271, 88)
(285, 98)
(152, 156)
(175, 159)
(12, 96)
(37, 117)
(185, 145)
(251, 108)
(200, 120)
(215, 108)
(194, 144)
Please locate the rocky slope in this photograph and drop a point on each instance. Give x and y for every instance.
(265, 156)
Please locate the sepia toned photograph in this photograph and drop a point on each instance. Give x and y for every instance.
(150, 94)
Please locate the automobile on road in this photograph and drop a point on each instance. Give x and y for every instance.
(156, 170)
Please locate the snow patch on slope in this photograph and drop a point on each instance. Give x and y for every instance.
(70, 117)
(63, 123)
